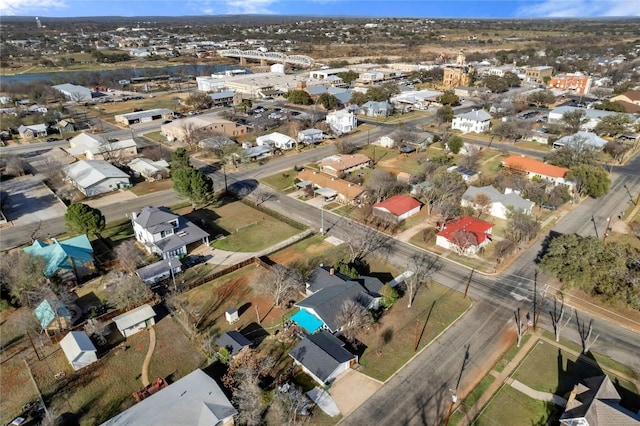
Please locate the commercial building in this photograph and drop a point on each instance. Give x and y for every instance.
(577, 82)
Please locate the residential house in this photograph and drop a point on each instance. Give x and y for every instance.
(32, 131)
(542, 137)
(95, 177)
(226, 98)
(577, 83)
(233, 341)
(477, 121)
(311, 136)
(397, 208)
(150, 170)
(535, 168)
(330, 291)
(276, 140)
(418, 99)
(467, 174)
(596, 402)
(502, 107)
(135, 320)
(377, 109)
(501, 204)
(144, 116)
(78, 349)
(217, 143)
(165, 233)
(538, 74)
(323, 357)
(581, 139)
(195, 399)
(465, 235)
(255, 153)
(74, 92)
(387, 142)
(342, 121)
(207, 125)
(73, 255)
(593, 116)
(330, 187)
(159, 271)
(630, 100)
(94, 147)
(337, 165)
(53, 315)
(65, 126)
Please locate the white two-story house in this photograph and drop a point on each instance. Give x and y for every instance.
(472, 122)
(342, 121)
(164, 233)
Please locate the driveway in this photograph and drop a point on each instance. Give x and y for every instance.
(351, 389)
(30, 201)
(109, 199)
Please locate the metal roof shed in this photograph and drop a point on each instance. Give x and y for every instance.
(78, 349)
(135, 320)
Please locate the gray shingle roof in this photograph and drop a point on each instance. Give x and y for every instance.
(511, 199)
(328, 301)
(321, 277)
(233, 341)
(152, 216)
(321, 354)
(477, 115)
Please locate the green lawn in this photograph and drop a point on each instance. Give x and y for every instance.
(391, 343)
(510, 407)
(156, 136)
(478, 391)
(283, 181)
(510, 354)
(244, 228)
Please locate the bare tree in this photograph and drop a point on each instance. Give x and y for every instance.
(98, 329)
(352, 319)
(22, 274)
(261, 195)
(462, 240)
(519, 326)
(558, 317)
(287, 407)
(504, 248)
(470, 160)
(188, 130)
(129, 293)
(129, 255)
(363, 243)
(281, 282)
(521, 227)
(482, 203)
(585, 334)
(248, 398)
(382, 184)
(15, 166)
(344, 146)
(422, 267)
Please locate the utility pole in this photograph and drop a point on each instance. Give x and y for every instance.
(224, 172)
(415, 340)
(635, 203)
(175, 287)
(466, 289)
(595, 226)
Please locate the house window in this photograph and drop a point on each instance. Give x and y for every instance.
(166, 233)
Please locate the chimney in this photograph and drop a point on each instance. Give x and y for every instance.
(332, 271)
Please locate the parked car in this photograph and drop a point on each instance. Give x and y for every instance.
(194, 260)
(548, 206)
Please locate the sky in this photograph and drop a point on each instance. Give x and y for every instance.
(369, 8)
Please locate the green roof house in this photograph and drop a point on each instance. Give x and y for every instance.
(72, 255)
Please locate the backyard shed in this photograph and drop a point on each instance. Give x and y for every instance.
(78, 349)
(135, 320)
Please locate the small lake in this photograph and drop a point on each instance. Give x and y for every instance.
(119, 74)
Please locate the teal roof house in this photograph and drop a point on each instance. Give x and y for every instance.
(53, 315)
(73, 255)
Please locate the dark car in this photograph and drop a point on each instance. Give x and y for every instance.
(52, 140)
(166, 122)
(547, 206)
(194, 260)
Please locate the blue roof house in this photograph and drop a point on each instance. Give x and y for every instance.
(53, 315)
(73, 255)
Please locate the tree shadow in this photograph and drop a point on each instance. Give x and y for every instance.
(242, 309)
(255, 333)
(552, 235)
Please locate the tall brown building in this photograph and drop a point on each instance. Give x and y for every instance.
(458, 74)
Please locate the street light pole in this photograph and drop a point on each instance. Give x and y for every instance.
(175, 287)
(322, 218)
(595, 226)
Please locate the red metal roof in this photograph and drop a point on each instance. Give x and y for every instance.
(534, 166)
(398, 204)
(479, 228)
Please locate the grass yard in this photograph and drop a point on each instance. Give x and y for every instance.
(510, 354)
(146, 187)
(104, 389)
(378, 153)
(244, 228)
(156, 136)
(550, 369)
(511, 407)
(283, 181)
(478, 391)
(390, 344)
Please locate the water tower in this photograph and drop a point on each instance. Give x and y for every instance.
(38, 23)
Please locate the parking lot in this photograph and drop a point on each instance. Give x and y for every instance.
(30, 201)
